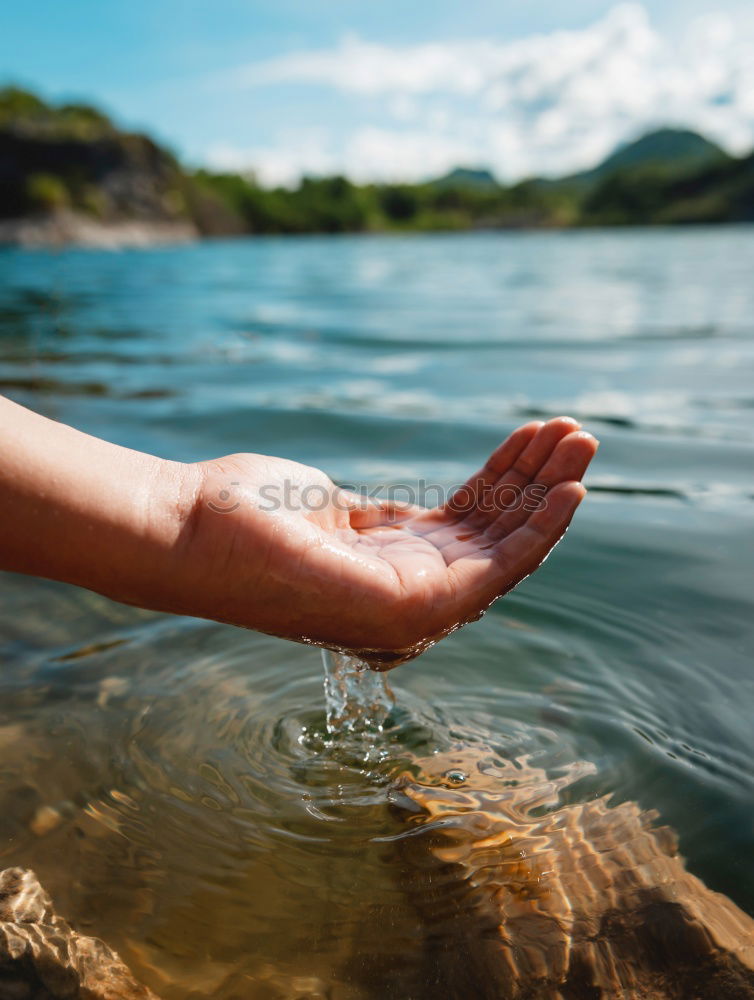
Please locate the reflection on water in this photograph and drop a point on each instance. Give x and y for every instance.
(175, 783)
(523, 893)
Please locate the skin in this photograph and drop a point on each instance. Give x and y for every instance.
(273, 545)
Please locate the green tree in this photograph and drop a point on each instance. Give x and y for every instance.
(399, 202)
(46, 193)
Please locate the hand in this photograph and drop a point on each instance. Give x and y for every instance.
(276, 546)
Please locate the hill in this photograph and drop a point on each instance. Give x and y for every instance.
(468, 177)
(69, 165)
(667, 147)
(721, 190)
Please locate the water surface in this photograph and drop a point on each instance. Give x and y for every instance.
(174, 783)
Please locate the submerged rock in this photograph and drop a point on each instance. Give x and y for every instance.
(43, 958)
(525, 896)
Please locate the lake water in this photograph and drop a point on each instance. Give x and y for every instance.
(172, 781)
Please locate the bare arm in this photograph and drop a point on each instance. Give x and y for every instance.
(206, 539)
(81, 510)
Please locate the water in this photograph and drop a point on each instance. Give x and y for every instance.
(175, 783)
(357, 699)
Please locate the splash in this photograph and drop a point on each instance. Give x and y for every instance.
(358, 700)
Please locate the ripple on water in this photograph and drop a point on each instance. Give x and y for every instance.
(214, 823)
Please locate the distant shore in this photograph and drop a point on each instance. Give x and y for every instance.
(70, 176)
(63, 229)
(77, 231)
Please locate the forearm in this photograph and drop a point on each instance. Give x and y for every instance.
(81, 510)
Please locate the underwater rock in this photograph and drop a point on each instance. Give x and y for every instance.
(523, 896)
(42, 958)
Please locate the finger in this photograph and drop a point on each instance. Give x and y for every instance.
(568, 462)
(498, 569)
(465, 498)
(523, 469)
(569, 459)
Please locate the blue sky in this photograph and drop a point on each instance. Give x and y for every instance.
(389, 89)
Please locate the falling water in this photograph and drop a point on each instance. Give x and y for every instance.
(358, 699)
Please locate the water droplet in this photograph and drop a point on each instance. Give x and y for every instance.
(457, 777)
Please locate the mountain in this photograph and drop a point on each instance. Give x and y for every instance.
(665, 148)
(671, 148)
(467, 177)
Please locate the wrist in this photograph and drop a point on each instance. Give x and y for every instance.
(221, 543)
(157, 558)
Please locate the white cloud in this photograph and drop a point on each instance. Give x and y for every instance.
(395, 155)
(307, 151)
(403, 108)
(544, 104)
(369, 69)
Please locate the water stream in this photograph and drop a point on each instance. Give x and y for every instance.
(357, 699)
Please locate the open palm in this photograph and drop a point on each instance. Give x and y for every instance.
(285, 551)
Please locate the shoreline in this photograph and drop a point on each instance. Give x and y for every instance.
(71, 229)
